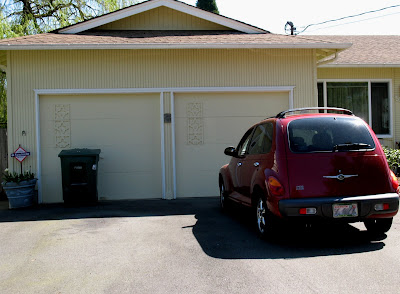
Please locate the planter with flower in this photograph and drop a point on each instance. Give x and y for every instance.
(19, 188)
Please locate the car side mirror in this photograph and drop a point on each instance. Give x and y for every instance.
(230, 151)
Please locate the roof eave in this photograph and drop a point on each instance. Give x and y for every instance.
(172, 46)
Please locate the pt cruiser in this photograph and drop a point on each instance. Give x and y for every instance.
(327, 165)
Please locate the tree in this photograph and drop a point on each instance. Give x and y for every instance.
(209, 5)
(28, 17)
(3, 100)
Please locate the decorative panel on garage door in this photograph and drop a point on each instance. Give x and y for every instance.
(125, 127)
(207, 123)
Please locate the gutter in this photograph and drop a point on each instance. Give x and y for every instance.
(365, 65)
(328, 60)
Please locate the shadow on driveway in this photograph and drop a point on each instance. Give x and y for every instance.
(221, 235)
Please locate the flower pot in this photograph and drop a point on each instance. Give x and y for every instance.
(20, 194)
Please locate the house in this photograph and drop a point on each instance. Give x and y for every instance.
(161, 88)
(366, 79)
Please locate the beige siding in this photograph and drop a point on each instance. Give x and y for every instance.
(392, 74)
(355, 73)
(162, 18)
(396, 106)
(89, 69)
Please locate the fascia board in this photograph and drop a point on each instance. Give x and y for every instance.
(365, 65)
(107, 18)
(215, 18)
(142, 7)
(172, 46)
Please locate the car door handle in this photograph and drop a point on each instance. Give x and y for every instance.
(256, 164)
(239, 164)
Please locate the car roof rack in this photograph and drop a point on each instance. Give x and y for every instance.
(343, 110)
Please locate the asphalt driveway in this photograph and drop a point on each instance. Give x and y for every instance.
(185, 246)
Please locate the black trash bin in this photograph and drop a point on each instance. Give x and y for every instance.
(79, 175)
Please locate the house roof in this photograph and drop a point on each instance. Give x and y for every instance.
(366, 51)
(165, 40)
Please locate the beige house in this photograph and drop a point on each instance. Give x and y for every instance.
(162, 88)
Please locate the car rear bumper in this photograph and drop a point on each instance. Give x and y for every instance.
(324, 206)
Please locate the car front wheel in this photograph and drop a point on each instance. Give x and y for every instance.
(378, 226)
(222, 197)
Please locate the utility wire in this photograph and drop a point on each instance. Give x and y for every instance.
(351, 16)
(356, 21)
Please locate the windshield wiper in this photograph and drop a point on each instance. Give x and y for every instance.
(351, 146)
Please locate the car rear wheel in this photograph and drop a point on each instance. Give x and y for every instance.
(378, 226)
(263, 218)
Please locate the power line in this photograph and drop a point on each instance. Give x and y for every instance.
(346, 17)
(342, 24)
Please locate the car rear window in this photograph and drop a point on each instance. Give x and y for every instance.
(329, 134)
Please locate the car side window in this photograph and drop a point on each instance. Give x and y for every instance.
(244, 143)
(261, 142)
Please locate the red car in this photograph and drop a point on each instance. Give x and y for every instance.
(327, 165)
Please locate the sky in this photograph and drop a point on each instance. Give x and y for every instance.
(273, 15)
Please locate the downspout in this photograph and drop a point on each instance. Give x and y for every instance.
(328, 60)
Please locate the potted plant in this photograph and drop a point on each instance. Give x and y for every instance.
(19, 188)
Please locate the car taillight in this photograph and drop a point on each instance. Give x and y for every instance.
(309, 210)
(395, 182)
(275, 187)
(382, 206)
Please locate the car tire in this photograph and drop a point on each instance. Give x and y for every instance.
(378, 226)
(264, 219)
(223, 201)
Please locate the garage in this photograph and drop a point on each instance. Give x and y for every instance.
(126, 127)
(161, 87)
(207, 123)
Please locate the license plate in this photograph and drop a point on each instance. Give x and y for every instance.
(345, 210)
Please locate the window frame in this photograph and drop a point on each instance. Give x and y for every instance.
(369, 81)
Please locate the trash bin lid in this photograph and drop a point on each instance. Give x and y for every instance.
(79, 152)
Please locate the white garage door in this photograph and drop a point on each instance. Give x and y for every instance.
(125, 127)
(206, 124)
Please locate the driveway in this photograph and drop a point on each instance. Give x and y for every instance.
(185, 246)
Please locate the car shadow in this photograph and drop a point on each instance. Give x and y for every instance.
(229, 235)
(232, 235)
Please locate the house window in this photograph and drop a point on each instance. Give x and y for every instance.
(368, 100)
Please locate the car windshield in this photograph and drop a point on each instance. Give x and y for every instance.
(329, 134)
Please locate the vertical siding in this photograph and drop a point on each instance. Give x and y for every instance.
(162, 18)
(396, 103)
(355, 73)
(88, 69)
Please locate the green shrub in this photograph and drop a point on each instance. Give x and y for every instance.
(393, 157)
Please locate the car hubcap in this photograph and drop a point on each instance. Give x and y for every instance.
(261, 216)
